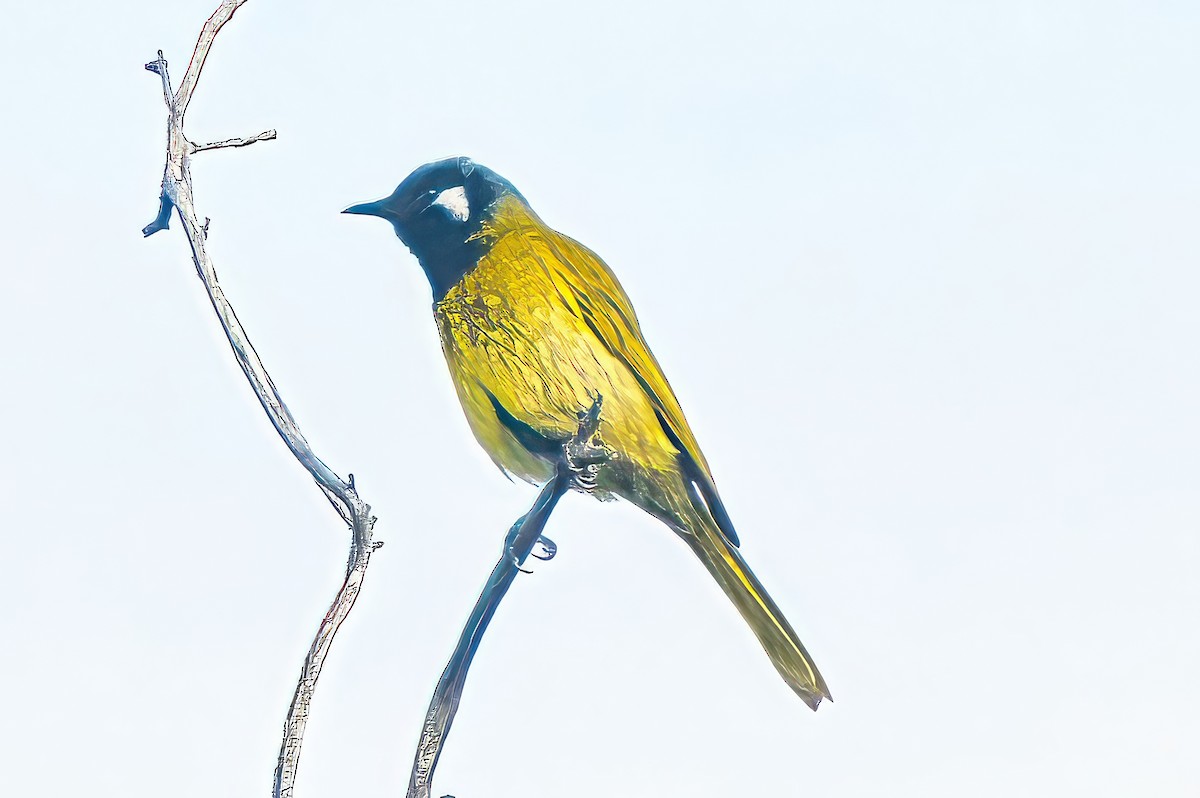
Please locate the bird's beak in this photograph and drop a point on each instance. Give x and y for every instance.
(376, 208)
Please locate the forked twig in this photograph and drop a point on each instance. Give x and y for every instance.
(577, 465)
(342, 494)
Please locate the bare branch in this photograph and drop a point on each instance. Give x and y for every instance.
(266, 135)
(208, 33)
(579, 461)
(177, 193)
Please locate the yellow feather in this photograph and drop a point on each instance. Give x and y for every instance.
(528, 303)
(543, 326)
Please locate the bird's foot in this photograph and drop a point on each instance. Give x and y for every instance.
(584, 453)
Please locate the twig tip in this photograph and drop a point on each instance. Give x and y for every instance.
(157, 65)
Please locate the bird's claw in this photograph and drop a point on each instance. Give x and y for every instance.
(549, 549)
(515, 561)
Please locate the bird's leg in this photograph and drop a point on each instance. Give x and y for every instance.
(584, 452)
(583, 455)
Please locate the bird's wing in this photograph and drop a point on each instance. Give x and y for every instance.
(603, 306)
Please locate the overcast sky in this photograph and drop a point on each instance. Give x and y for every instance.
(923, 275)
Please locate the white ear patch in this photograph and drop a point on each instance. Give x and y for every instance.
(455, 201)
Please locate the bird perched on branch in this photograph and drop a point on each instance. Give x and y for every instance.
(535, 327)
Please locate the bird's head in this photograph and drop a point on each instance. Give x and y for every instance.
(437, 212)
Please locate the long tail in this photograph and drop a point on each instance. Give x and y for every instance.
(778, 638)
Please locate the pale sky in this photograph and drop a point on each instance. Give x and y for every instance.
(923, 275)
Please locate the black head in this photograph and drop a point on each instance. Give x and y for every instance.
(436, 210)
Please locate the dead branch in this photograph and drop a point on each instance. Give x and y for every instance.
(266, 135)
(177, 193)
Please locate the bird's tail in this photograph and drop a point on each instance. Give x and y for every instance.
(775, 634)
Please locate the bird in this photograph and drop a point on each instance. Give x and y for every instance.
(535, 328)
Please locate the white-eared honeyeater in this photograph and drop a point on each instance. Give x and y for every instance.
(534, 327)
